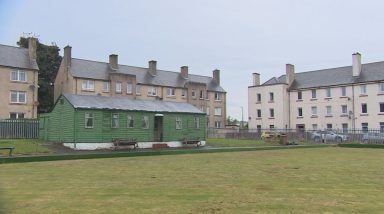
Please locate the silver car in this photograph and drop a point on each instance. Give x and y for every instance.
(328, 136)
(373, 138)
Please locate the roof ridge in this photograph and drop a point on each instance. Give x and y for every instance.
(141, 67)
(346, 66)
(14, 46)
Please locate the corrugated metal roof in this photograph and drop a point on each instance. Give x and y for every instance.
(16, 57)
(100, 70)
(333, 76)
(118, 103)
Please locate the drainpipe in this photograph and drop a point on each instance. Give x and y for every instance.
(74, 128)
(353, 108)
(289, 109)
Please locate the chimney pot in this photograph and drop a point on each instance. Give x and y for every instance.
(216, 76)
(256, 79)
(184, 72)
(32, 47)
(152, 67)
(68, 55)
(356, 64)
(113, 61)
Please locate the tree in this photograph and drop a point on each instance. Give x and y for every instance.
(48, 60)
(232, 121)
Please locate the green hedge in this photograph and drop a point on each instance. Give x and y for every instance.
(23, 159)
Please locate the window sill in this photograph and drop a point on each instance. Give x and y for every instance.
(18, 103)
(344, 115)
(138, 94)
(86, 90)
(21, 82)
(299, 100)
(363, 95)
(105, 91)
(328, 98)
(341, 97)
(313, 99)
(171, 97)
(258, 102)
(217, 100)
(380, 113)
(314, 116)
(258, 118)
(130, 93)
(271, 101)
(150, 95)
(117, 92)
(328, 115)
(380, 94)
(299, 117)
(364, 114)
(272, 118)
(201, 98)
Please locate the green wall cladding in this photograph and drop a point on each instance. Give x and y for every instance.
(66, 124)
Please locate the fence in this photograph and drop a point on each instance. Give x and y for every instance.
(13, 129)
(374, 136)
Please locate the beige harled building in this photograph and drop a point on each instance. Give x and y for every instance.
(86, 77)
(18, 81)
(343, 98)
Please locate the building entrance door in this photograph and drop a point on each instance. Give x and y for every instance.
(158, 128)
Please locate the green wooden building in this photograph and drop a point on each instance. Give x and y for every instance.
(98, 119)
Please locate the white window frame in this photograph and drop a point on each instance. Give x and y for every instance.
(171, 92)
(201, 95)
(17, 114)
(314, 111)
(138, 89)
(218, 111)
(314, 127)
(145, 122)
(298, 112)
(18, 76)
(381, 87)
(343, 91)
(117, 120)
(129, 119)
(342, 110)
(328, 110)
(272, 113)
(366, 108)
(197, 122)
(217, 124)
(88, 116)
(217, 96)
(193, 93)
(299, 95)
(258, 97)
(271, 97)
(18, 93)
(129, 88)
(88, 85)
(257, 113)
(105, 87)
(207, 111)
(152, 91)
(314, 92)
(363, 89)
(328, 93)
(178, 123)
(118, 87)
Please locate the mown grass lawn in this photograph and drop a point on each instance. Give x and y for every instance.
(311, 180)
(23, 146)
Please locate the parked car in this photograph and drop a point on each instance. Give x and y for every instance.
(373, 138)
(269, 135)
(319, 136)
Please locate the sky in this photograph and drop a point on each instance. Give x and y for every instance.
(238, 37)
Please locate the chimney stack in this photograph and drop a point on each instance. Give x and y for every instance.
(113, 62)
(216, 76)
(356, 64)
(67, 55)
(152, 67)
(184, 72)
(256, 79)
(290, 74)
(32, 48)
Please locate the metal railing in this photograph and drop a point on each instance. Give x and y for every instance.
(374, 136)
(20, 128)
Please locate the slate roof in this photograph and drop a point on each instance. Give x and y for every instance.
(333, 76)
(99, 70)
(16, 57)
(118, 103)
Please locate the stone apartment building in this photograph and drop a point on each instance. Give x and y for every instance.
(350, 97)
(18, 81)
(86, 77)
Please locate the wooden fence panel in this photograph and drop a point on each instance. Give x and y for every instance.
(16, 129)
